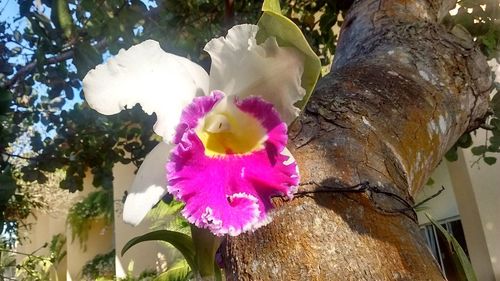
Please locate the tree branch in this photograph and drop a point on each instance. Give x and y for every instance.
(28, 68)
(229, 13)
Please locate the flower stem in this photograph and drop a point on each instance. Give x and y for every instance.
(206, 245)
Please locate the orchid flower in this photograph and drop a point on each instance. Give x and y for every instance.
(224, 135)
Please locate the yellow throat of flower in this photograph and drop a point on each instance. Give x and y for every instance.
(231, 133)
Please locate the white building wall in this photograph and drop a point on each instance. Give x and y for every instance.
(483, 202)
(146, 255)
(444, 205)
(472, 192)
(44, 225)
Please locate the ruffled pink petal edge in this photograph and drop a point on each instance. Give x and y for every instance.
(230, 194)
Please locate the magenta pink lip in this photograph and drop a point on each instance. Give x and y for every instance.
(229, 194)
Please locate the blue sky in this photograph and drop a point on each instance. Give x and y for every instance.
(8, 9)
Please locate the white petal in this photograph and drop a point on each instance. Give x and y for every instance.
(243, 68)
(161, 82)
(149, 186)
(291, 160)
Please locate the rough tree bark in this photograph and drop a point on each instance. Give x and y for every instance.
(401, 92)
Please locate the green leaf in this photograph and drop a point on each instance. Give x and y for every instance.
(490, 160)
(217, 273)
(271, 6)
(24, 7)
(478, 150)
(5, 100)
(180, 241)
(273, 23)
(495, 104)
(162, 210)
(495, 140)
(7, 188)
(495, 123)
(180, 271)
(17, 36)
(452, 154)
(465, 140)
(86, 57)
(460, 259)
(430, 181)
(63, 17)
(206, 245)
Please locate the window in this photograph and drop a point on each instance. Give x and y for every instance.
(438, 247)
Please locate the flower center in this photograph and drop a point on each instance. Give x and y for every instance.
(231, 132)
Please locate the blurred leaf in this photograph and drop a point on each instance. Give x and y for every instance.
(495, 104)
(272, 6)
(5, 100)
(490, 160)
(96, 205)
(495, 140)
(465, 141)
(86, 57)
(496, 123)
(180, 271)
(430, 181)
(17, 36)
(24, 7)
(164, 209)
(206, 245)
(63, 17)
(16, 50)
(7, 188)
(460, 260)
(452, 154)
(180, 241)
(478, 150)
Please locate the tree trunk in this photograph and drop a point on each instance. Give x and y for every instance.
(401, 92)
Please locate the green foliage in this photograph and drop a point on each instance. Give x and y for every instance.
(57, 248)
(146, 275)
(460, 260)
(7, 189)
(42, 267)
(180, 241)
(7, 257)
(430, 181)
(5, 98)
(97, 205)
(198, 252)
(167, 216)
(205, 246)
(180, 271)
(101, 266)
(480, 18)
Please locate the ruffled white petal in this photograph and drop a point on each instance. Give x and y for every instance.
(290, 161)
(243, 68)
(149, 186)
(162, 83)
